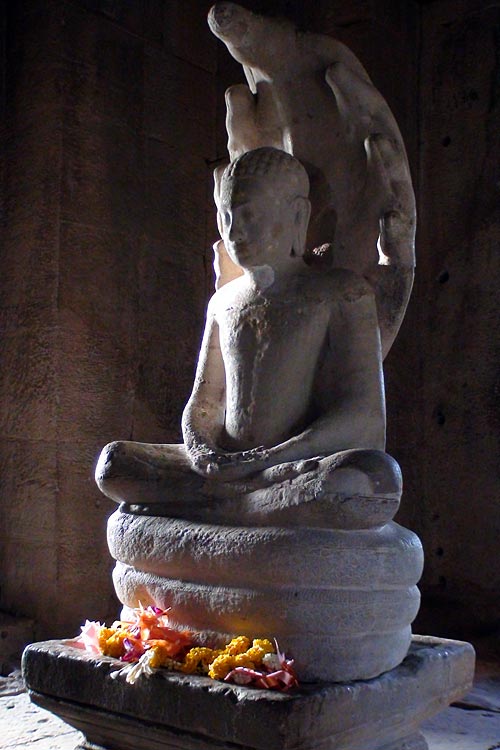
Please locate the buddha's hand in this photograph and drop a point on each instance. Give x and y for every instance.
(290, 470)
(227, 466)
(203, 459)
(270, 464)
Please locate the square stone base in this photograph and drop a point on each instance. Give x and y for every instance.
(180, 712)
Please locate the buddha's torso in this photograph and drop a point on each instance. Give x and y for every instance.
(272, 349)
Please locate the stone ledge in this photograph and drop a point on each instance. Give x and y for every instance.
(169, 710)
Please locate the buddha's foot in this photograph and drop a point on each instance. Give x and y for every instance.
(354, 489)
(146, 473)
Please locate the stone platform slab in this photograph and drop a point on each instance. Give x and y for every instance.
(180, 712)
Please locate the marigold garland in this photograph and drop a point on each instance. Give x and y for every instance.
(147, 642)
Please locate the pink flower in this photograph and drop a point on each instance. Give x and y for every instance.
(90, 635)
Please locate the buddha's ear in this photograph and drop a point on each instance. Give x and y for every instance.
(302, 209)
(225, 269)
(218, 172)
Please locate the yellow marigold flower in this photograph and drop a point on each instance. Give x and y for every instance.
(244, 660)
(112, 644)
(198, 659)
(103, 635)
(238, 645)
(221, 666)
(255, 654)
(265, 644)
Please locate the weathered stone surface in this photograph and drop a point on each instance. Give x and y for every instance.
(25, 725)
(207, 553)
(351, 594)
(285, 425)
(76, 301)
(457, 511)
(189, 41)
(195, 712)
(15, 634)
(265, 329)
(438, 483)
(312, 97)
(454, 728)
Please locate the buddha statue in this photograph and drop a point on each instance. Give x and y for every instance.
(289, 376)
(273, 517)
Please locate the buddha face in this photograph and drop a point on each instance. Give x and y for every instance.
(258, 222)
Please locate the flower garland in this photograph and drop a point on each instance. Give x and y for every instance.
(147, 643)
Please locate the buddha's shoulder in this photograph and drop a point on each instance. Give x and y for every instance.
(231, 293)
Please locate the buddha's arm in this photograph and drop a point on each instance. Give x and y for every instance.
(350, 394)
(203, 416)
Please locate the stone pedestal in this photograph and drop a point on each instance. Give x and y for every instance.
(180, 712)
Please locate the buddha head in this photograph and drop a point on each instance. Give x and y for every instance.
(263, 209)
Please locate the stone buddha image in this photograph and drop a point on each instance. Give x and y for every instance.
(273, 517)
(289, 386)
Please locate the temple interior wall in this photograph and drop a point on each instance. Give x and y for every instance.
(113, 120)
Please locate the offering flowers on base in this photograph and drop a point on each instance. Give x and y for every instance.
(148, 642)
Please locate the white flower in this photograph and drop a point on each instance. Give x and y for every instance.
(132, 672)
(272, 662)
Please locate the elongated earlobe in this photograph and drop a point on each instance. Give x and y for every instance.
(218, 172)
(302, 208)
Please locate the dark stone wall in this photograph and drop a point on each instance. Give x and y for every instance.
(110, 133)
(457, 513)
(113, 120)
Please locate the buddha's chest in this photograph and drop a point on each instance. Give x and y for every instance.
(273, 334)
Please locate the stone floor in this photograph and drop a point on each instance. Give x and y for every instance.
(473, 724)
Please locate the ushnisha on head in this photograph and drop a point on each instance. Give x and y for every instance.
(278, 167)
(263, 208)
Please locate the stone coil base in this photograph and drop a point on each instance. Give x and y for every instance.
(169, 711)
(303, 621)
(339, 602)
